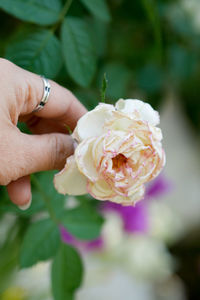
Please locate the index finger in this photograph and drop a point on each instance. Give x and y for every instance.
(62, 105)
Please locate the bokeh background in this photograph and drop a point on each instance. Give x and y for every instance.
(149, 50)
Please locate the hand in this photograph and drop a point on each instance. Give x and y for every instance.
(22, 154)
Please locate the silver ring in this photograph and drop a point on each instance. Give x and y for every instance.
(45, 97)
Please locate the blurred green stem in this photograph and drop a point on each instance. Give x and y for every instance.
(45, 198)
(65, 10)
(63, 13)
(153, 16)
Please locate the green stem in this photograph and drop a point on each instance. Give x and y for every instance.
(65, 10)
(45, 198)
(62, 14)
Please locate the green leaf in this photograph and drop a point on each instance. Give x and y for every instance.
(46, 189)
(98, 8)
(100, 29)
(78, 50)
(83, 222)
(43, 12)
(36, 206)
(66, 274)
(40, 243)
(38, 51)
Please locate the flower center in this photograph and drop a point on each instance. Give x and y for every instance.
(119, 161)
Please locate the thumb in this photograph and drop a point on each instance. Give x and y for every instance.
(43, 152)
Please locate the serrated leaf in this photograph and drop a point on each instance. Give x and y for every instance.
(38, 51)
(82, 222)
(98, 8)
(43, 12)
(46, 189)
(40, 243)
(66, 274)
(78, 50)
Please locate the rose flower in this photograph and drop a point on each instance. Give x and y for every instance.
(119, 149)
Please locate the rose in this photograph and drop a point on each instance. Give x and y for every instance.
(119, 149)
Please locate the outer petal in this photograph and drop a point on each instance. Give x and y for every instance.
(100, 190)
(70, 180)
(138, 109)
(91, 124)
(131, 200)
(84, 159)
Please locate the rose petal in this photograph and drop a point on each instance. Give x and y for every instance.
(70, 180)
(91, 124)
(131, 200)
(138, 109)
(85, 163)
(119, 122)
(100, 190)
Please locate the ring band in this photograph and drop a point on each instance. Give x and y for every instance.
(45, 97)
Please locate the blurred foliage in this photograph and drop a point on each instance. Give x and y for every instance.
(145, 47)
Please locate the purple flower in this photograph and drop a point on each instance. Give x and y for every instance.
(82, 245)
(158, 187)
(135, 218)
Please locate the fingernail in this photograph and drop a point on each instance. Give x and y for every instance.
(26, 206)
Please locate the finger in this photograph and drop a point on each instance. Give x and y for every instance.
(26, 91)
(40, 126)
(62, 105)
(37, 153)
(19, 192)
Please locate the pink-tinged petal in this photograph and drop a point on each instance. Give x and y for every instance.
(84, 159)
(138, 109)
(91, 124)
(136, 196)
(100, 190)
(70, 181)
(119, 122)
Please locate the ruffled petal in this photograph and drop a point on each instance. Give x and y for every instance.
(84, 159)
(91, 124)
(136, 196)
(100, 190)
(138, 109)
(119, 122)
(70, 180)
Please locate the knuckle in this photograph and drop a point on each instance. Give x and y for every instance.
(4, 62)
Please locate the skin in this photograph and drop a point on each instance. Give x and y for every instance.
(49, 145)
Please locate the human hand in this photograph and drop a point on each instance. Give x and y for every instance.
(49, 145)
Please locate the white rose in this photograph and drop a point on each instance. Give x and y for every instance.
(119, 149)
